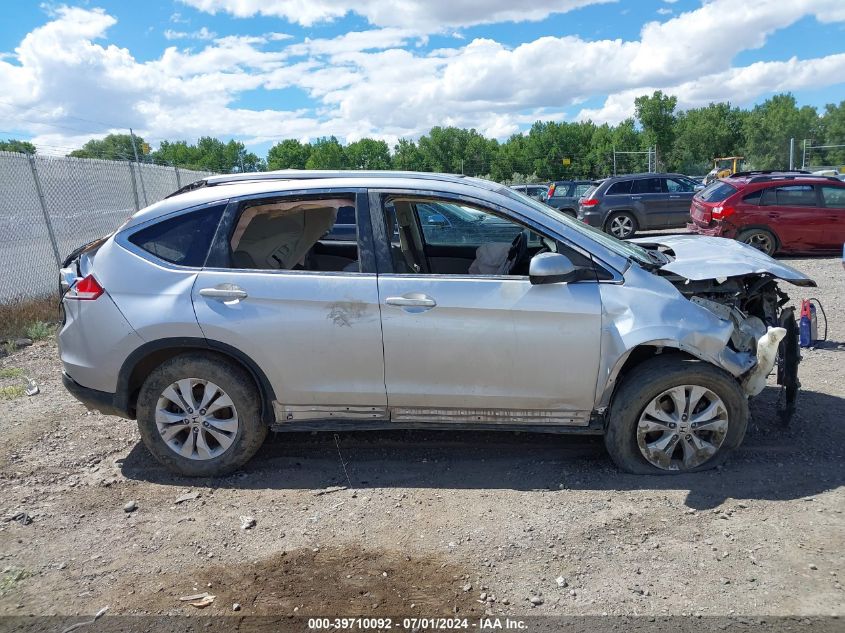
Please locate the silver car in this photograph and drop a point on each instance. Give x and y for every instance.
(229, 309)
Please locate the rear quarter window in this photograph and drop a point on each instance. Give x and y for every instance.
(619, 188)
(834, 197)
(717, 192)
(184, 239)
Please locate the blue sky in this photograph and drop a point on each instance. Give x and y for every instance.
(263, 70)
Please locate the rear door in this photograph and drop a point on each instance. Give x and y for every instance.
(648, 195)
(833, 199)
(301, 303)
(794, 213)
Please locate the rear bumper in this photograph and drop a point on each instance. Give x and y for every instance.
(102, 401)
(592, 218)
(717, 229)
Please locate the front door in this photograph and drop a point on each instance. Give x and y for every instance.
(482, 343)
(301, 303)
(679, 195)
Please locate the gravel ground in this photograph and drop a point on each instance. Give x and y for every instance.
(429, 522)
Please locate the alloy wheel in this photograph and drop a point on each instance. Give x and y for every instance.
(761, 242)
(621, 226)
(196, 419)
(682, 427)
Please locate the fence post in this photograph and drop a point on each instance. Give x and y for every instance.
(178, 179)
(134, 186)
(43, 203)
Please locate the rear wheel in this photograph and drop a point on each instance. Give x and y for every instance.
(199, 415)
(761, 239)
(673, 415)
(622, 225)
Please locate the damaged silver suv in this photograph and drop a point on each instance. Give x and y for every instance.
(231, 308)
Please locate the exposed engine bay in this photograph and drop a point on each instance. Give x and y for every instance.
(755, 305)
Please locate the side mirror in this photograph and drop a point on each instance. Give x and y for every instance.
(552, 268)
(438, 220)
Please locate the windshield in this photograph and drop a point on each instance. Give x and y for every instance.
(623, 248)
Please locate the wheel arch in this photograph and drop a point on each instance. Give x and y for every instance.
(638, 355)
(148, 356)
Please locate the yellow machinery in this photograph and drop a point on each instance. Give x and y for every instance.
(724, 167)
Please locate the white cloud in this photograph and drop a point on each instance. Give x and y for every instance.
(664, 11)
(64, 77)
(422, 15)
(202, 34)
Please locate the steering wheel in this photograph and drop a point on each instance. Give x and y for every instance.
(518, 249)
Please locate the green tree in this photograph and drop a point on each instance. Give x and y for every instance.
(289, 154)
(113, 147)
(769, 127)
(833, 133)
(702, 134)
(656, 115)
(367, 154)
(14, 145)
(326, 153)
(408, 157)
(177, 153)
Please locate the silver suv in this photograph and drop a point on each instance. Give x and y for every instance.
(229, 309)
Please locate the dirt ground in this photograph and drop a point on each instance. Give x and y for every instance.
(433, 522)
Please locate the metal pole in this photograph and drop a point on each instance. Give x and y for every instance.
(140, 173)
(134, 186)
(178, 178)
(614, 160)
(43, 202)
(792, 153)
(804, 156)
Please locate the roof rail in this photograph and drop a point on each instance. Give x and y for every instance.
(802, 176)
(313, 174)
(762, 172)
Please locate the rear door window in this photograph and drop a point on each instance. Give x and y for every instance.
(790, 196)
(184, 239)
(647, 185)
(619, 188)
(833, 197)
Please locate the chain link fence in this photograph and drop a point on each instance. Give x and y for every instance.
(49, 206)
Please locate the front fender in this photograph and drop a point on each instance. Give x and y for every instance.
(647, 310)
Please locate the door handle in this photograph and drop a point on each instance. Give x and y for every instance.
(674, 197)
(224, 292)
(411, 300)
(636, 197)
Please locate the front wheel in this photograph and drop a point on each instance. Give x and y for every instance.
(673, 415)
(199, 415)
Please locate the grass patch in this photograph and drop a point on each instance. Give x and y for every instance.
(11, 372)
(39, 330)
(23, 317)
(12, 392)
(10, 578)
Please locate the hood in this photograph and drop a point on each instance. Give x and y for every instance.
(698, 257)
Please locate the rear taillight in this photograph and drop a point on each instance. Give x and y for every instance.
(86, 289)
(720, 212)
(589, 202)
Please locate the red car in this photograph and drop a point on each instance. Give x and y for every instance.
(776, 212)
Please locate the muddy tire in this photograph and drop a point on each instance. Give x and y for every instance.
(761, 239)
(621, 225)
(672, 415)
(200, 415)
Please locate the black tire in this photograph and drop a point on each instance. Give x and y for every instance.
(646, 382)
(235, 382)
(761, 239)
(627, 220)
